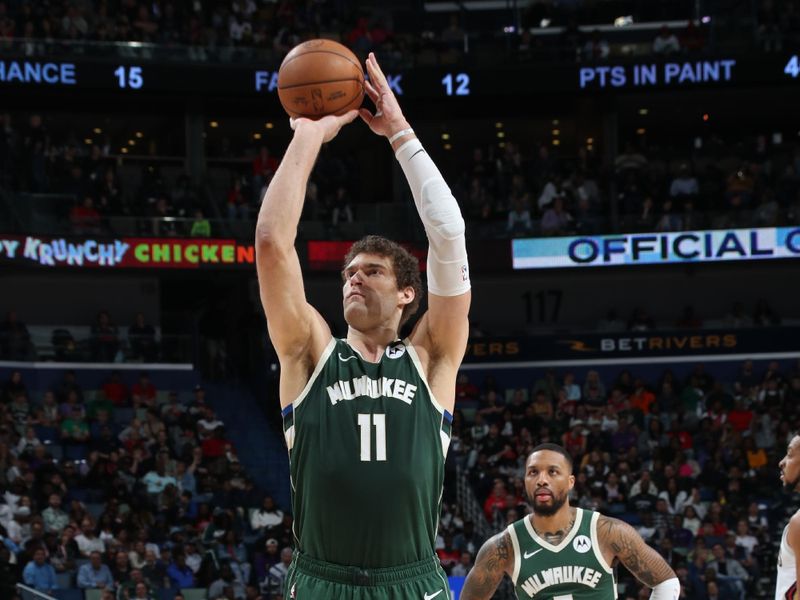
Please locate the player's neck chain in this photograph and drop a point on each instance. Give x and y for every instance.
(556, 537)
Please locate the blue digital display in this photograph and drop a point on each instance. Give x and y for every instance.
(649, 74)
(37, 73)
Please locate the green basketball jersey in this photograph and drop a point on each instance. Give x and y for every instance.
(573, 570)
(367, 444)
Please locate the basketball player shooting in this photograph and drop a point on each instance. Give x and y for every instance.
(788, 565)
(561, 552)
(367, 419)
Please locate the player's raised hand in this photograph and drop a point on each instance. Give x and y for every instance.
(388, 118)
(329, 125)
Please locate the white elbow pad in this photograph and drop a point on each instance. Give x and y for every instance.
(667, 590)
(448, 269)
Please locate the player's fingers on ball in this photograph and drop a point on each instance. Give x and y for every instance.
(349, 116)
(371, 91)
(379, 71)
(365, 115)
(375, 72)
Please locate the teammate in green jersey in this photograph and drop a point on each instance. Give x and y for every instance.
(564, 553)
(367, 418)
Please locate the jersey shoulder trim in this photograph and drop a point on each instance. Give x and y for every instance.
(598, 551)
(512, 533)
(412, 352)
(565, 542)
(317, 370)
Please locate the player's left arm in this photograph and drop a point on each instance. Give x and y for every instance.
(444, 329)
(793, 538)
(621, 541)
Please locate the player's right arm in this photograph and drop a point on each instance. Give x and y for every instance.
(793, 538)
(298, 332)
(495, 558)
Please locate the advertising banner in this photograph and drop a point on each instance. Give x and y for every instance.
(110, 253)
(657, 248)
(628, 344)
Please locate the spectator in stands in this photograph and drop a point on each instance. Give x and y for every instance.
(154, 570)
(226, 580)
(669, 220)
(208, 423)
(684, 185)
(109, 193)
(342, 208)
(75, 429)
(519, 216)
(737, 316)
(767, 213)
(264, 519)
(646, 216)
(39, 574)
(95, 574)
(143, 392)
(640, 321)
(142, 339)
(666, 42)
(264, 167)
(179, 573)
(87, 540)
(630, 160)
(553, 188)
(274, 582)
(141, 592)
(595, 48)
(238, 207)
(769, 30)
(13, 387)
(201, 226)
(104, 341)
(739, 188)
(55, 519)
(728, 569)
(84, 218)
(689, 320)
(115, 390)
(692, 39)
(556, 220)
(15, 341)
(763, 315)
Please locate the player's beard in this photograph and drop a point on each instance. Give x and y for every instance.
(791, 486)
(553, 507)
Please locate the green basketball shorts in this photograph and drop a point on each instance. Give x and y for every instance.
(311, 579)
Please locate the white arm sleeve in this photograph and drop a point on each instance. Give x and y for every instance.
(448, 269)
(667, 590)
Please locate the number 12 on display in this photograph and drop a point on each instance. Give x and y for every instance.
(456, 84)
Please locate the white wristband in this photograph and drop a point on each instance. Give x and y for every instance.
(400, 134)
(667, 590)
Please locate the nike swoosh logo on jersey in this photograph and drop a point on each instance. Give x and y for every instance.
(429, 596)
(529, 554)
(343, 358)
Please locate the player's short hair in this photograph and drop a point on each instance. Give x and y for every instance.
(404, 264)
(554, 448)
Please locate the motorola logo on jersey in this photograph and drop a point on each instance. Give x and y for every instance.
(395, 352)
(582, 544)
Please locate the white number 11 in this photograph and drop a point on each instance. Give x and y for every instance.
(379, 421)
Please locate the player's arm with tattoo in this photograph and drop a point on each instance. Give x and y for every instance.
(495, 558)
(647, 565)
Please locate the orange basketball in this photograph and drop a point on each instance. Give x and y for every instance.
(318, 78)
